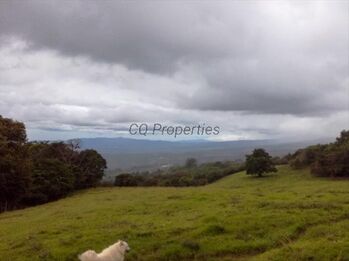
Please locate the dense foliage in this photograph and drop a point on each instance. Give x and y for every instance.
(35, 173)
(259, 162)
(14, 163)
(329, 160)
(190, 174)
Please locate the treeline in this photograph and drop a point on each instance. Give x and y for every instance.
(39, 172)
(328, 160)
(191, 174)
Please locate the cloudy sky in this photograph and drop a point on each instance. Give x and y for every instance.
(272, 69)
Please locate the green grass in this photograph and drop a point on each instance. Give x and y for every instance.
(286, 216)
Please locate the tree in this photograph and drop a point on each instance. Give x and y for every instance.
(191, 163)
(59, 168)
(38, 172)
(52, 172)
(343, 138)
(90, 169)
(52, 179)
(259, 162)
(14, 163)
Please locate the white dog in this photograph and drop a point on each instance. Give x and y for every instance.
(114, 252)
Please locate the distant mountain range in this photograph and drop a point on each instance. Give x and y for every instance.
(123, 154)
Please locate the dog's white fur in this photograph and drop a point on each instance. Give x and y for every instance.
(115, 252)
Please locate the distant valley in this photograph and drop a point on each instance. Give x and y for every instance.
(124, 154)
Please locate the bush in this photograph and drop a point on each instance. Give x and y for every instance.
(305, 157)
(334, 160)
(191, 245)
(329, 160)
(214, 230)
(126, 180)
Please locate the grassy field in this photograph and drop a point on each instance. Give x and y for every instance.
(287, 216)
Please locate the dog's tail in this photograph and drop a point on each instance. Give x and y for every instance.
(89, 255)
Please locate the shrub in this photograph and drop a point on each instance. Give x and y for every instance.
(192, 245)
(214, 230)
(334, 161)
(305, 157)
(329, 160)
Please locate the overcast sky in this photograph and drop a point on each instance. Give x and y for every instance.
(272, 69)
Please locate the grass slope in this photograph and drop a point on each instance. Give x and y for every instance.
(287, 216)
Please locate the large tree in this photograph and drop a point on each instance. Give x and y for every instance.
(52, 172)
(259, 162)
(59, 168)
(90, 166)
(52, 179)
(14, 163)
(38, 172)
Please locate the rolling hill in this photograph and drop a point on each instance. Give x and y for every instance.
(286, 216)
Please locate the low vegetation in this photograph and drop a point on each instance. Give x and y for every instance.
(328, 160)
(191, 174)
(289, 215)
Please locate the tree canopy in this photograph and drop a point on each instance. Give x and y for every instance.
(38, 172)
(14, 163)
(259, 162)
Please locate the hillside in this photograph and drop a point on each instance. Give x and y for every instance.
(287, 216)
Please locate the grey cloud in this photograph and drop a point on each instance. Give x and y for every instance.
(261, 57)
(149, 36)
(288, 87)
(159, 36)
(103, 64)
